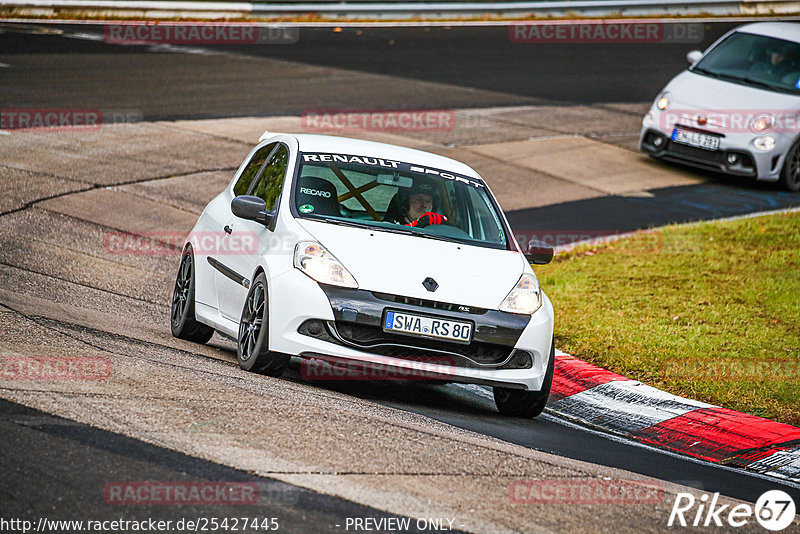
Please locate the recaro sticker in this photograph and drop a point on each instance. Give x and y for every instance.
(315, 192)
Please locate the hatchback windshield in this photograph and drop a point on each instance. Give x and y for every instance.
(400, 197)
(754, 60)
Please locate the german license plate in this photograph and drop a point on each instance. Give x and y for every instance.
(696, 139)
(434, 327)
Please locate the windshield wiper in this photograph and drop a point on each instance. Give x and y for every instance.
(745, 79)
(749, 81)
(705, 71)
(434, 236)
(395, 230)
(403, 230)
(770, 86)
(347, 223)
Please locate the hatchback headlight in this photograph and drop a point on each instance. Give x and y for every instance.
(762, 123)
(663, 101)
(319, 264)
(525, 297)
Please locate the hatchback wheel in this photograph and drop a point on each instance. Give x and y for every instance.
(790, 174)
(518, 403)
(183, 323)
(253, 340)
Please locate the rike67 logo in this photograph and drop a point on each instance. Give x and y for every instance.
(774, 510)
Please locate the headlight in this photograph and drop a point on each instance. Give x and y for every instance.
(650, 118)
(762, 123)
(663, 101)
(315, 260)
(765, 143)
(526, 297)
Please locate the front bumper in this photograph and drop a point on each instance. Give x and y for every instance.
(508, 350)
(655, 140)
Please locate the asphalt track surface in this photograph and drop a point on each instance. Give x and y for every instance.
(465, 408)
(71, 66)
(75, 462)
(716, 199)
(489, 69)
(462, 57)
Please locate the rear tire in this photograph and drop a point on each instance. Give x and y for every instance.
(183, 323)
(518, 403)
(790, 173)
(252, 349)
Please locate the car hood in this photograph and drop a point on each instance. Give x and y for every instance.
(393, 263)
(696, 92)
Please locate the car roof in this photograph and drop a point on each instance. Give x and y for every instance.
(344, 145)
(788, 31)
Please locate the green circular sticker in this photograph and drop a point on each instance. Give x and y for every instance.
(306, 208)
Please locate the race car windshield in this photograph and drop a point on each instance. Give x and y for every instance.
(756, 61)
(399, 197)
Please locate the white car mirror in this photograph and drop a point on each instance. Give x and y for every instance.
(694, 56)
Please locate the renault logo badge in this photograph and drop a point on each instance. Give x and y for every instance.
(430, 284)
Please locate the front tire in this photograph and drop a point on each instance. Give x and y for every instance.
(518, 403)
(790, 173)
(252, 349)
(183, 323)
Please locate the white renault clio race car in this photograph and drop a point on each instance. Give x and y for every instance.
(354, 251)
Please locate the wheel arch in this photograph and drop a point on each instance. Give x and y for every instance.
(260, 270)
(782, 179)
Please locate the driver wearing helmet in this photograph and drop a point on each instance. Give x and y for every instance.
(416, 206)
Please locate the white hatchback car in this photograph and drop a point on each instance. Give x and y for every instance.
(736, 109)
(334, 248)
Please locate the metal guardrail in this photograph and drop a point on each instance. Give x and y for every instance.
(448, 9)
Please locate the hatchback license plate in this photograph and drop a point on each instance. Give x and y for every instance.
(434, 327)
(696, 139)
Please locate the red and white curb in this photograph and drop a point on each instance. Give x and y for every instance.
(612, 403)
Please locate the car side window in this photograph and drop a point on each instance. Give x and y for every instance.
(252, 168)
(488, 227)
(270, 179)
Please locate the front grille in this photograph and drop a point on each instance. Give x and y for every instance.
(370, 336)
(711, 156)
(717, 160)
(429, 303)
(374, 340)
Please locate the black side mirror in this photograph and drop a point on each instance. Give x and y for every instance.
(252, 208)
(539, 253)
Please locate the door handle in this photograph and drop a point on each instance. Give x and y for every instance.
(228, 229)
